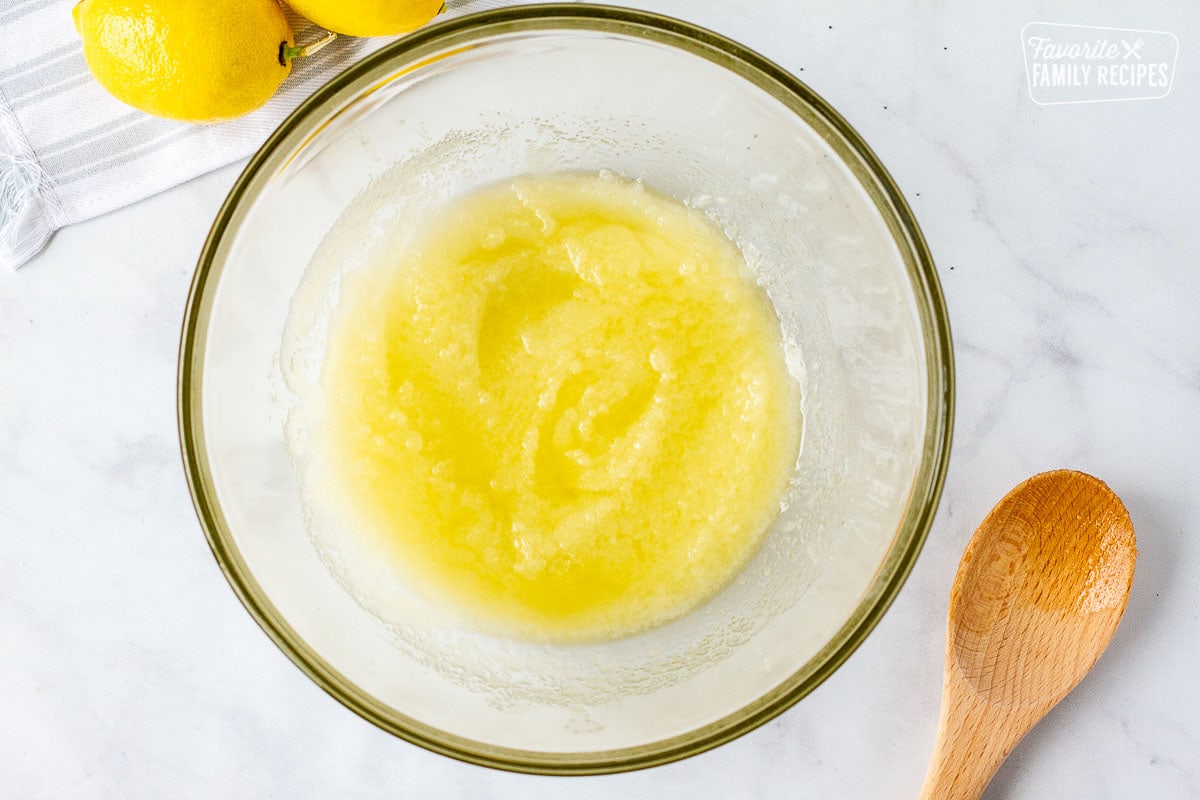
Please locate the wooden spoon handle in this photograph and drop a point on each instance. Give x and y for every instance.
(974, 737)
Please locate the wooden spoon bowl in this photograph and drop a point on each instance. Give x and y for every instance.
(1038, 595)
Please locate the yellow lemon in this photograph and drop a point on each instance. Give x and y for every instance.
(368, 17)
(194, 60)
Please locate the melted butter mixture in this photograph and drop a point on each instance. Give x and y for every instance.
(563, 410)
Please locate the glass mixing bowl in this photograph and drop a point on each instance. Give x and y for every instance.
(572, 87)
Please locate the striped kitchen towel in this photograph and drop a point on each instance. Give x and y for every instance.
(69, 151)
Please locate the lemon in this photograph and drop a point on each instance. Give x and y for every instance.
(368, 17)
(194, 60)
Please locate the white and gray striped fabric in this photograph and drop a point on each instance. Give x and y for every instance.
(69, 151)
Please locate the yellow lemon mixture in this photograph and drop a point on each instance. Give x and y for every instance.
(563, 409)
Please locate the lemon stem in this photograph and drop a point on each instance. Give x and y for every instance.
(289, 51)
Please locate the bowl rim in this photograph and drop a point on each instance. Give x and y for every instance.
(876, 181)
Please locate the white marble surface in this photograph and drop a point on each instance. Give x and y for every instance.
(1069, 248)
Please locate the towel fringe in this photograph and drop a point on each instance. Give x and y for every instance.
(25, 214)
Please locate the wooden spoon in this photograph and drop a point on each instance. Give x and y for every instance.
(1038, 595)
